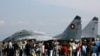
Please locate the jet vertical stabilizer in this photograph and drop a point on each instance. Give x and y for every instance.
(73, 31)
(91, 30)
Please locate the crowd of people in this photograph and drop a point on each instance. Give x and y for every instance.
(50, 48)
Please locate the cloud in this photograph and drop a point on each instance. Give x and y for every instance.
(91, 6)
(2, 22)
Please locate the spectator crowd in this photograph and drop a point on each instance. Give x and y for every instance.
(50, 48)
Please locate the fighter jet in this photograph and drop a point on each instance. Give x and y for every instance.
(73, 31)
(91, 29)
(26, 34)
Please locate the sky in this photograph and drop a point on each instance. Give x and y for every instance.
(50, 16)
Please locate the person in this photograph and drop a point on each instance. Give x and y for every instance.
(46, 49)
(94, 50)
(42, 48)
(64, 50)
(70, 48)
(98, 50)
(4, 47)
(16, 49)
(10, 49)
(97, 42)
(27, 48)
(78, 49)
(83, 50)
(20, 47)
(88, 50)
(23, 48)
(56, 45)
(74, 45)
(51, 46)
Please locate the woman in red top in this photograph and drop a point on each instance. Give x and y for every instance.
(64, 49)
